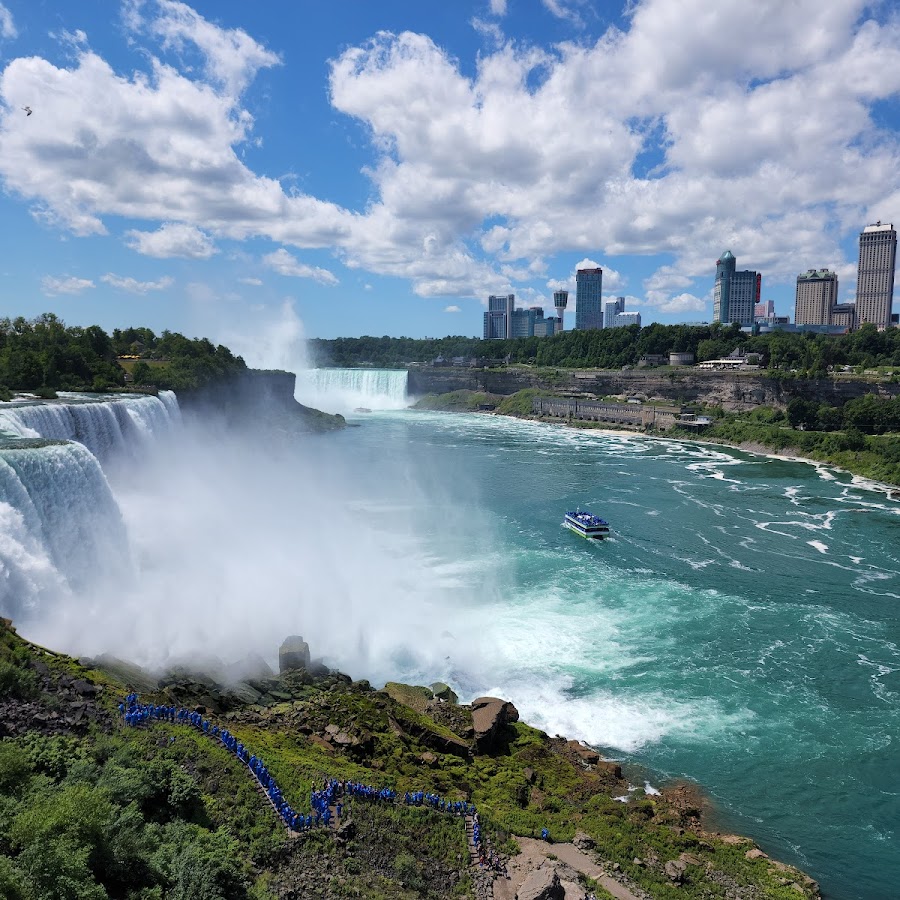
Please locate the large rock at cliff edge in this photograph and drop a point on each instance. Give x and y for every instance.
(490, 715)
(293, 654)
(541, 884)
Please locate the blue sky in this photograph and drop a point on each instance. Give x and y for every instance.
(247, 171)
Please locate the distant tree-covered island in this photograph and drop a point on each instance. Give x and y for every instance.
(45, 355)
(613, 348)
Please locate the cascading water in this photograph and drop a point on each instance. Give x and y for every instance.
(60, 526)
(344, 390)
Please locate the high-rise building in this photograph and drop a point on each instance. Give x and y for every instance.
(498, 318)
(588, 298)
(875, 274)
(523, 322)
(817, 293)
(624, 319)
(736, 293)
(844, 315)
(560, 299)
(764, 311)
(613, 308)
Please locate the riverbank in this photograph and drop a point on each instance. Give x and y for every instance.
(309, 723)
(878, 470)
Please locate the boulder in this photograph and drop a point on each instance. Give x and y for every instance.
(490, 715)
(755, 853)
(293, 654)
(674, 868)
(84, 688)
(541, 884)
(444, 692)
(583, 841)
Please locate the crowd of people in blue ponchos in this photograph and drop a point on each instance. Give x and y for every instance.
(333, 792)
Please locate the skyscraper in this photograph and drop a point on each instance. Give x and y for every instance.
(735, 293)
(498, 318)
(875, 274)
(817, 292)
(588, 298)
(613, 308)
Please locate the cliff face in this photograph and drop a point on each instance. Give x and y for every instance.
(256, 394)
(731, 390)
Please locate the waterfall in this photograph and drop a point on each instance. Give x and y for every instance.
(107, 427)
(343, 390)
(61, 530)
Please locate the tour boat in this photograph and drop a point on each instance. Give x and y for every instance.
(587, 525)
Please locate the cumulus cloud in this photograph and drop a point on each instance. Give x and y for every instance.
(52, 285)
(695, 141)
(133, 286)
(452, 309)
(252, 282)
(172, 239)
(284, 264)
(8, 28)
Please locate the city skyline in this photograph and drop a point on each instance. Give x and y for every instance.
(255, 174)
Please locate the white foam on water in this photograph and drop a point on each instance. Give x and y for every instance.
(818, 545)
(650, 790)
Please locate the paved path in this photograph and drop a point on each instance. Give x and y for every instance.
(534, 852)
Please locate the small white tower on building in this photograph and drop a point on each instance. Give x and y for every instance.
(560, 300)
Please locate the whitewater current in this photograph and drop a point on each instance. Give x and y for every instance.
(739, 628)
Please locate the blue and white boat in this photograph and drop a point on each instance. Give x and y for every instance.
(587, 525)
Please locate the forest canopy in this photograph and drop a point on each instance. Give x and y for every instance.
(45, 354)
(612, 348)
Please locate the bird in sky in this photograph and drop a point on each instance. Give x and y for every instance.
(28, 110)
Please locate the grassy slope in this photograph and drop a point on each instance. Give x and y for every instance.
(192, 801)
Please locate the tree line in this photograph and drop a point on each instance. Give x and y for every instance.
(45, 355)
(612, 348)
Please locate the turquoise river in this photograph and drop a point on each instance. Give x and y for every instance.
(740, 629)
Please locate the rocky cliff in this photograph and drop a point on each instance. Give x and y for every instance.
(734, 391)
(255, 394)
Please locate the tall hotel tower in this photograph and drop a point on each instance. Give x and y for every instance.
(817, 294)
(736, 293)
(588, 303)
(560, 300)
(875, 275)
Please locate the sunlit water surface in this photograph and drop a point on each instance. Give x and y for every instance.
(740, 628)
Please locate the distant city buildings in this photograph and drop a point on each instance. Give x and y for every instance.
(736, 293)
(612, 309)
(502, 320)
(621, 320)
(588, 298)
(816, 296)
(875, 274)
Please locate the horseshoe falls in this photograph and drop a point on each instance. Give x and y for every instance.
(740, 628)
(344, 390)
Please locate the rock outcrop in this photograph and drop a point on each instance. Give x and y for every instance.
(490, 716)
(293, 654)
(541, 884)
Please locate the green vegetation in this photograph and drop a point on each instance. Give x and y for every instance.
(43, 356)
(457, 401)
(855, 437)
(787, 352)
(102, 812)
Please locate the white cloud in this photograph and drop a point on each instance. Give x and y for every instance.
(232, 57)
(172, 239)
(53, 285)
(252, 282)
(452, 309)
(284, 264)
(683, 303)
(133, 286)
(8, 28)
(562, 11)
(474, 172)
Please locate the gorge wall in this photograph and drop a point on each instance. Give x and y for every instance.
(256, 393)
(731, 390)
